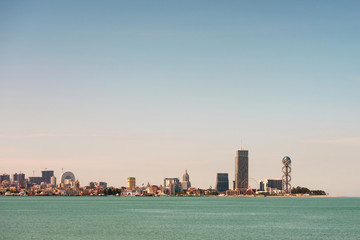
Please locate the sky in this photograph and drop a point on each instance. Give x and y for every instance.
(147, 89)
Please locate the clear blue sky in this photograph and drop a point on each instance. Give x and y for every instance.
(112, 89)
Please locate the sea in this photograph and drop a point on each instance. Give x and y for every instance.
(106, 217)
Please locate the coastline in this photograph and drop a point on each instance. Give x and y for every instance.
(189, 196)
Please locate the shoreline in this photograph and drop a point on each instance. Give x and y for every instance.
(236, 196)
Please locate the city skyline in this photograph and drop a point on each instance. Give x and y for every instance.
(142, 89)
(241, 167)
(241, 183)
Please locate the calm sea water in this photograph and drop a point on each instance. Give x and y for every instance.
(179, 218)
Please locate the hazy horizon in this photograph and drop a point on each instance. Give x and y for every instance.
(115, 89)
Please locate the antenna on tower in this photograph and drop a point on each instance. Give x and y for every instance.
(62, 170)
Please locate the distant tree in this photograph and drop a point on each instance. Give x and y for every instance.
(304, 190)
(109, 191)
(318, 192)
(212, 193)
(300, 190)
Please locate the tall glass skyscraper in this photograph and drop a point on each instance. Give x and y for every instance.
(222, 182)
(242, 170)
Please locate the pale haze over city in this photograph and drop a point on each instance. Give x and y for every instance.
(148, 89)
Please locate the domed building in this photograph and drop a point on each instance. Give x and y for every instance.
(185, 184)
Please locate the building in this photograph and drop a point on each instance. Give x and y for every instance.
(222, 182)
(185, 184)
(15, 178)
(242, 170)
(18, 177)
(4, 177)
(77, 184)
(232, 192)
(131, 183)
(35, 180)
(151, 189)
(168, 181)
(46, 175)
(53, 181)
(102, 185)
(173, 185)
(271, 185)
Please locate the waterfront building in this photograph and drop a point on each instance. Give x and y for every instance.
(102, 185)
(173, 185)
(232, 192)
(46, 175)
(148, 189)
(131, 183)
(18, 177)
(53, 181)
(151, 189)
(185, 184)
(4, 177)
(222, 182)
(68, 183)
(242, 170)
(15, 178)
(168, 181)
(271, 185)
(77, 184)
(35, 180)
(91, 184)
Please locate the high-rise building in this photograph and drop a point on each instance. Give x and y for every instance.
(271, 185)
(185, 184)
(15, 177)
(53, 181)
(174, 188)
(4, 177)
(242, 170)
(35, 180)
(173, 184)
(168, 181)
(46, 175)
(18, 177)
(222, 182)
(131, 183)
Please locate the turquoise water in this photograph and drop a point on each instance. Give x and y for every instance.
(179, 218)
